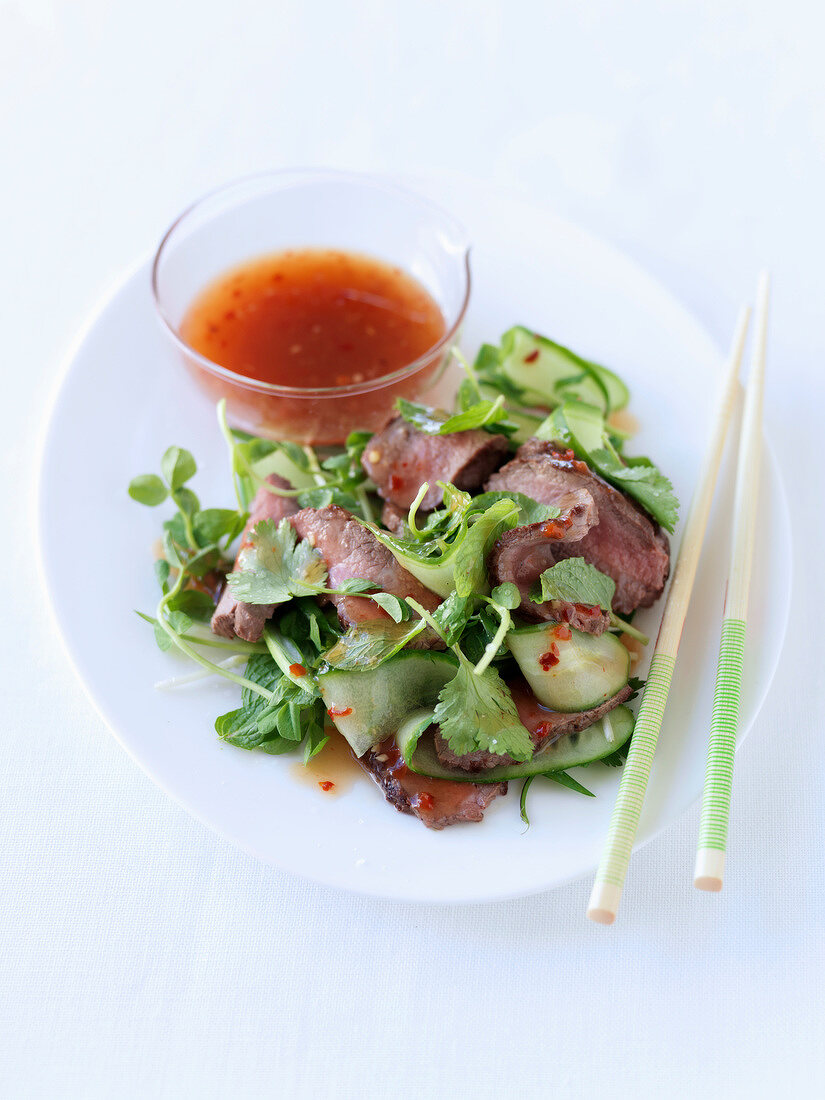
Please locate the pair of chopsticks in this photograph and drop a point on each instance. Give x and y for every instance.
(710, 858)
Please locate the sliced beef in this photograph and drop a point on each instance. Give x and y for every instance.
(544, 725)
(436, 802)
(625, 543)
(394, 519)
(246, 620)
(351, 550)
(400, 459)
(523, 554)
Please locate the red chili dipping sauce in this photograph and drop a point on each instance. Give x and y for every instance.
(310, 318)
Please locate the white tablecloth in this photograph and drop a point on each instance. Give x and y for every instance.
(143, 956)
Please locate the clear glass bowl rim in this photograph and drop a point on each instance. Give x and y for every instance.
(299, 175)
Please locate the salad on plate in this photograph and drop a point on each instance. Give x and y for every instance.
(453, 594)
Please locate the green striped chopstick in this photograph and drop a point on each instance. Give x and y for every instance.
(607, 888)
(713, 828)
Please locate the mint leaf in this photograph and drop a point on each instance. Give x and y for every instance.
(582, 428)
(529, 510)
(575, 581)
(643, 481)
(478, 712)
(396, 608)
(275, 726)
(369, 644)
(482, 414)
(275, 566)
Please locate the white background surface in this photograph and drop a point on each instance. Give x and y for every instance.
(143, 956)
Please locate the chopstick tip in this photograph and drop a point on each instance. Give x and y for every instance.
(604, 902)
(709, 871)
(601, 916)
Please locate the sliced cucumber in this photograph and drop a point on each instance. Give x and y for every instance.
(369, 705)
(436, 575)
(461, 567)
(575, 425)
(618, 394)
(591, 744)
(588, 670)
(279, 462)
(548, 373)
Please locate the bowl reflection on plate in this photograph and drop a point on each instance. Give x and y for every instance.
(313, 209)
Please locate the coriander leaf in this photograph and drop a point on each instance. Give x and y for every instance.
(636, 685)
(148, 489)
(478, 712)
(576, 581)
(368, 644)
(177, 466)
(274, 567)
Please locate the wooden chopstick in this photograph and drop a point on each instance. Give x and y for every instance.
(713, 827)
(607, 888)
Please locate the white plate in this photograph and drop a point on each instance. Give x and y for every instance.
(124, 399)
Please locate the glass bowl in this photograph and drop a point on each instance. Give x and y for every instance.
(313, 208)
